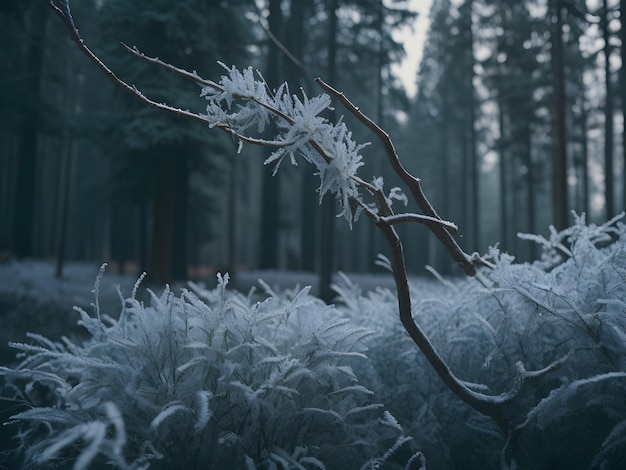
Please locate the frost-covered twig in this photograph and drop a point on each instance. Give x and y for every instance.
(424, 219)
(193, 76)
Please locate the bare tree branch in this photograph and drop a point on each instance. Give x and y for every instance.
(74, 34)
(284, 49)
(411, 181)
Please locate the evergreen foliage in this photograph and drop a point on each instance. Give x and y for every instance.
(161, 163)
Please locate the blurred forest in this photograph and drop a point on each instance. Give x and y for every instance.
(518, 119)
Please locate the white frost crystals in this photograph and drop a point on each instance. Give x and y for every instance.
(241, 101)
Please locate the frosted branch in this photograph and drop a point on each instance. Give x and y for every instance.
(424, 219)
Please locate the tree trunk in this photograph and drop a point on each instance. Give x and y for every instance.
(329, 208)
(68, 159)
(309, 227)
(559, 176)
(308, 197)
(143, 235)
(609, 191)
(443, 264)
(530, 181)
(231, 258)
(472, 138)
(23, 223)
(73, 98)
(585, 162)
(503, 179)
(622, 19)
(271, 188)
(374, 240)
(181, 211)
(163, 219)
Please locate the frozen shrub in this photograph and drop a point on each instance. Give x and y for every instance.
(571, 303)
(199, 380)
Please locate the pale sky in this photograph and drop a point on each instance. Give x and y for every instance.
(413, 44)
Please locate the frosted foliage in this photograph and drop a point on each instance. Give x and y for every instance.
(202, 379)
(572, 302)
(242, 102)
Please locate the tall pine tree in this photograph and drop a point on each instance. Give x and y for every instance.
(158, 152)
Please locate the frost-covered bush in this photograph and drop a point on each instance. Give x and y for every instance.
(205, 380)
(571, 303)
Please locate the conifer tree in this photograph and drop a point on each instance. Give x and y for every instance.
(197, 32)
(34, 20)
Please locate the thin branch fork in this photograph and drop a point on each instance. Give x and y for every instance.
(424, 219)
(489, 405)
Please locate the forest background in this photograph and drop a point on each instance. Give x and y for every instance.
(518, 119)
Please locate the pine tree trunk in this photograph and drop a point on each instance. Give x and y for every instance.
(530, 181)
(443, 264)
(161, 256)
(327, 236)
(68, 158)
(559, 176)
(23, 214)
(622, 18)
(503, 178)
(308, 197)
(609, 191)
(231, 257)
(271, 187)
(471, 137)
(181, 210)
(585, 161)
